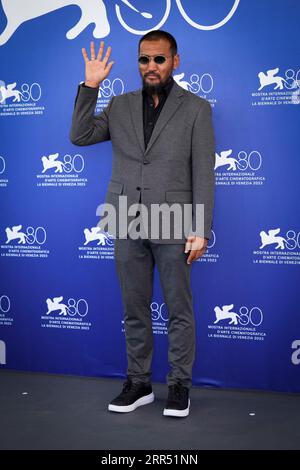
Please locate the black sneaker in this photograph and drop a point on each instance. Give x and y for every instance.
(132, 396)
(178, 403)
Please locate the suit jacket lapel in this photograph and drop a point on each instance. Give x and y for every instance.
(136, 108)
(136, 105)
(172, 103)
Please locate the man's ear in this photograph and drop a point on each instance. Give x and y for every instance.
(176, 61)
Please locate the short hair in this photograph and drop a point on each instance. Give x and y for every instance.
(157, 34)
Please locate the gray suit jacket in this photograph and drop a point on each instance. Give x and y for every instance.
(176, 167)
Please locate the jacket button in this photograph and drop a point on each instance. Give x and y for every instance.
(138, 188)
(145, 162)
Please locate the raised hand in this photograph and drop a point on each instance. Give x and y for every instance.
(96, 69)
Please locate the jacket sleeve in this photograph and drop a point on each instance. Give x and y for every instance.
(87, 128)
(203, 163)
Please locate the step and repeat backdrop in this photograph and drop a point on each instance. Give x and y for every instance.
(60, 302)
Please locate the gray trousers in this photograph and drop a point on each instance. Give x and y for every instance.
(135, 260)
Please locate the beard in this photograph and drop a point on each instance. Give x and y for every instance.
(154, 88)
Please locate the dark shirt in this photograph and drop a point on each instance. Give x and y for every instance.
(150, 113)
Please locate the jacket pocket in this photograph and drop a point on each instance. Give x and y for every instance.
(115, 187)
(179, 196)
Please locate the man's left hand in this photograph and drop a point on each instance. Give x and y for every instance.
(197, 247)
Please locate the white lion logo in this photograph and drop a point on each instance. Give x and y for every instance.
(224, 314)
(92, 12)
(19, 11)
(270, 79)
(270, 238)
(14, 234)
(55, 304)
(178, 79)
(96, 234)
(223, 159)
(51, 162)
(9, 92)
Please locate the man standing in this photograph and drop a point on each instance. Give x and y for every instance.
(163, 145)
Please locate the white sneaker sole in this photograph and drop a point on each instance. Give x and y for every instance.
(177, 413)
(126, 409)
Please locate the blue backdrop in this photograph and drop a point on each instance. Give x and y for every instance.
(60, 304)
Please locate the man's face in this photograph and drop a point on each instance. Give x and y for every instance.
(155, 75)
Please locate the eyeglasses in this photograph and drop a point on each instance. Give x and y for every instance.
(158, 59)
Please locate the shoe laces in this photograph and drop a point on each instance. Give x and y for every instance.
(126, 386)
(129, 385)
(177, 391)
